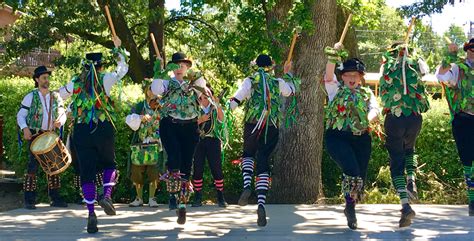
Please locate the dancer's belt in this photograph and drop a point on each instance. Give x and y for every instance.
(179, 121)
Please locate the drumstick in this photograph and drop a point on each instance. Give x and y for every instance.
(346, 27)
(109, 18)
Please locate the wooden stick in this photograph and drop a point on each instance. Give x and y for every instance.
(109, 18)
(155, 46)
(448, 40)
(293, 42)
(412, 23)
(346, 27)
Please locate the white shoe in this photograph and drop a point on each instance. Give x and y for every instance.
(152, 202)
(136, 203)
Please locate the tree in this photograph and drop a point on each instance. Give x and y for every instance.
(422, 8)
(297, 165)
(44, 24)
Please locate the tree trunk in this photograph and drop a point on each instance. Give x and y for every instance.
(137, 65)
(156, 26)
(297, 163)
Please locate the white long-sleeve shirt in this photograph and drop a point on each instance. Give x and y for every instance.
(451, 77)
(333, 86)
(110, 79)
(133, 121)
(245, 90)
(45, 103)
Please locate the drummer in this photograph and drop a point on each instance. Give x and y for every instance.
(41, 110)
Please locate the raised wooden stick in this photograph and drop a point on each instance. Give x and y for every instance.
(155, 46)
(109, 18)
(412, 23)
(448, 40)
(292, 47)
(346, 27)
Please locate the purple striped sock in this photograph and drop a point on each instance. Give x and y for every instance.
(109, 182)
(88, 190)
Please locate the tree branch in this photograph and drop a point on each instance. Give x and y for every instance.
(193, 19)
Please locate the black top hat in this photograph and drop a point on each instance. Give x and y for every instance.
(264, 60)
(179, 57)
(353, 64)
(40, 70)
(96, 58)
(469, 45)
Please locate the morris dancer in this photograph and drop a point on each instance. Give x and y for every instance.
(211, 132)
(350, 110)
(403, 99)
(146, 151)
(41, 110)
(261, 91)
(178, 127)
(94, 137)
(458, 75)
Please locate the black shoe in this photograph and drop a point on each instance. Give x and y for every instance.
(412, 190)
(244, 197)
(262, 216)
(350, 213)
(92, 223)
(221, 200)
(172, 202)
(108, 206)
(181, 215)
(197, 199)
(30, 206)
(407, 215)
(471, 208)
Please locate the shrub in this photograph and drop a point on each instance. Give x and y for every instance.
(440, 178)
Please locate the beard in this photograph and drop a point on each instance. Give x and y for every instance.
(44, 85)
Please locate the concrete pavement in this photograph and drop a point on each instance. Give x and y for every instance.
(285, 222)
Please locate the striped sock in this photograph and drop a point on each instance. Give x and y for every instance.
(261, 186)
(468, 175)
(88, 191)
(247, 171)
(197, 185)
(109, 182)
(411, 163)
(401, 187)
(219, 185)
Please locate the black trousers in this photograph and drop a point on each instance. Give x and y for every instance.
(179, 141)
(463, 133)
(256, 147)
(401, 138)
(94, 148)
(349, 151)
(33, 164)
(208, 148)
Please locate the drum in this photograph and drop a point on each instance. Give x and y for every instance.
(51, 153)
(147, 154)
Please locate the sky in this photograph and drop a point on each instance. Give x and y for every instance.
(460, 14)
